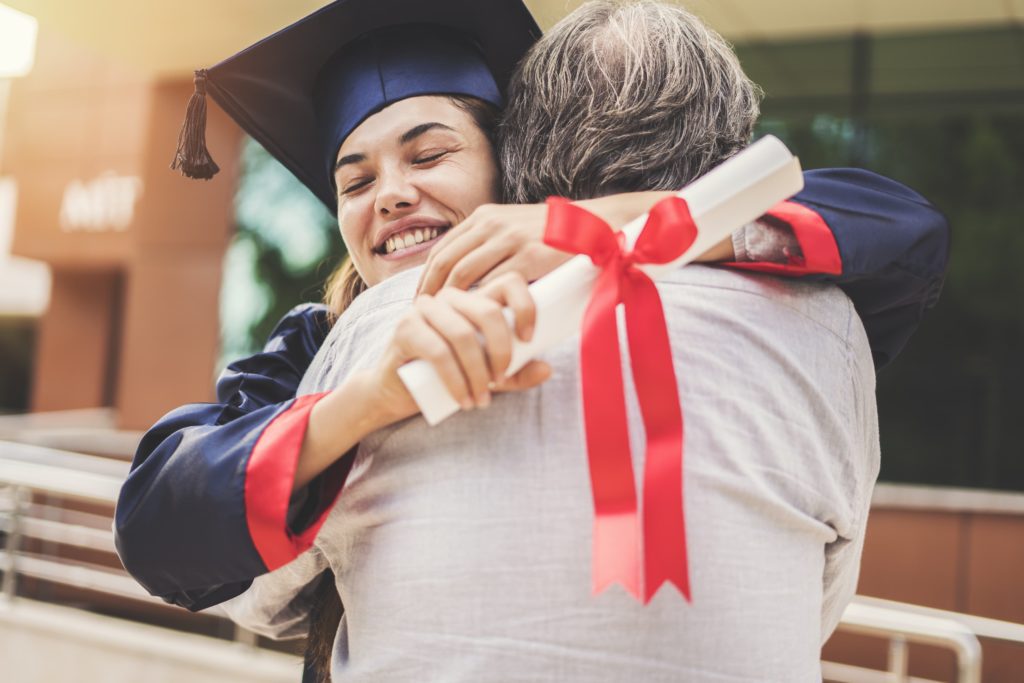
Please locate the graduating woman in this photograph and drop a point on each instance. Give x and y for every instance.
(386, 111)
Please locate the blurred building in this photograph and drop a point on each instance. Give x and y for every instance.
(930, 92)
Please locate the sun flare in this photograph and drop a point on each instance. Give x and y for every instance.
(17, 42)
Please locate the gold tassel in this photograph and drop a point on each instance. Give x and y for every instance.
(192, 158)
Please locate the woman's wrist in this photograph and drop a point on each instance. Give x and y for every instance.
(339, 421)
(372, 401)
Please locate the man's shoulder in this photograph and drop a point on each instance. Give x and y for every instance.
(361, 332)
(397, 291)
(765, 299)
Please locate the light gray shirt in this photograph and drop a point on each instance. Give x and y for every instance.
(462, 552)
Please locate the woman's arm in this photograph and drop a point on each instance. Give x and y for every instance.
(196, 549)
(881, 242)
(885, 245)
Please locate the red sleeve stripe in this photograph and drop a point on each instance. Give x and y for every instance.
(818, 244)
(268, 486)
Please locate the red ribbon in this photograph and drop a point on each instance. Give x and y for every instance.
(640, 563)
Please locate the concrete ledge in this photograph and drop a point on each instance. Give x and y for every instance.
(42, 643)
(91, 430)
(946, 499)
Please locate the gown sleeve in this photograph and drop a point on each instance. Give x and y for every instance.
(882, 243)
(195, 549)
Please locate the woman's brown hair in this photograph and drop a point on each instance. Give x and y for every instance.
(342, 287)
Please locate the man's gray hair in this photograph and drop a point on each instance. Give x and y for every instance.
(621, 97)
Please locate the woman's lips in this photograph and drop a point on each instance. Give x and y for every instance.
(404, 225)
(416, 248)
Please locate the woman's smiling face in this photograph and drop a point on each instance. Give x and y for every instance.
(404, 176)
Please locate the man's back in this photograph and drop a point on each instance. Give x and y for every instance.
(462, 552)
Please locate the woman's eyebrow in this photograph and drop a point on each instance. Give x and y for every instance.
(416, 131)
(350, 159)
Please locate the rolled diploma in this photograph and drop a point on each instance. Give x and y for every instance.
(736, 192)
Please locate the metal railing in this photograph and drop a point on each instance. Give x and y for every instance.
(903, 624)
(28, 469)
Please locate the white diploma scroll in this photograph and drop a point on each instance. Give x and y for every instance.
(735, 193)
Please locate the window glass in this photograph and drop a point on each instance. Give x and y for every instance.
(943, 113)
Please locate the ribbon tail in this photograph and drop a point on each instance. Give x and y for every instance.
(664, 528)
(614, 536)
(616, 543)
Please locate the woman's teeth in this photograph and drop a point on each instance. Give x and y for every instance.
(409, 238)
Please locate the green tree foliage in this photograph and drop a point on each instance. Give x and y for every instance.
(285, 247)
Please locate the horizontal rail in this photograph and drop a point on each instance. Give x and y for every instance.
(102, 442)
(61, 481)
(90, 577)
(67, 534)
(88, 431)
(70, 573)
(834, 672)
(62, 514)
(88, 418)
(55, 457)
(983, 627)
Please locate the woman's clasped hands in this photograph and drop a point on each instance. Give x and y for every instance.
(467, 339)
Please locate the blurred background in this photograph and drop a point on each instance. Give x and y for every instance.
(125, 288)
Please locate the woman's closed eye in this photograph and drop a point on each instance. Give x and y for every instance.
(355, 185)
(431, 156)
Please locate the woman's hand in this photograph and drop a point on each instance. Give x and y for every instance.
(467, 339)
(494, 240)
(498, 239)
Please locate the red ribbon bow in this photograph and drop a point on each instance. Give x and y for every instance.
(619, 553)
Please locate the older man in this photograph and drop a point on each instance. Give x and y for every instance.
(462, 552)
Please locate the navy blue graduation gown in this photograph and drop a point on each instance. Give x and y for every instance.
(207, 506)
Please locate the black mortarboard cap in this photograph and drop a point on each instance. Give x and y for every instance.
(302, 90)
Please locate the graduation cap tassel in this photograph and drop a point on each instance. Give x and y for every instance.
(192, 158)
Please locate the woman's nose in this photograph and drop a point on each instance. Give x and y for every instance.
(394, 193)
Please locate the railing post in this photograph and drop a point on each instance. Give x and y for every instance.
(10, 568)
(244, 636)
(968, 660)
(898, 658)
